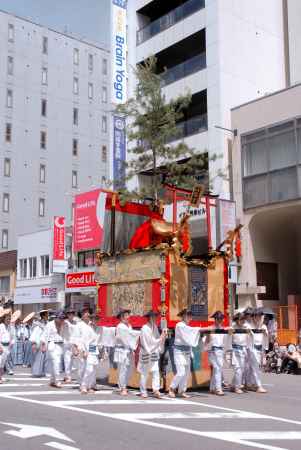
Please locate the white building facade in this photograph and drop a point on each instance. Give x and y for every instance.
(37, 286)
(267, 191)
(224, 52)
(54, 122)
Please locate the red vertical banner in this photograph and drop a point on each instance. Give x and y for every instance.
(58, 238)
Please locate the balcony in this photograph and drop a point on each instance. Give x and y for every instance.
(195, 125)
(184, 69)
(169, 19)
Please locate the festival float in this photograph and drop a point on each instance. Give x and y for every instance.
(146, 262)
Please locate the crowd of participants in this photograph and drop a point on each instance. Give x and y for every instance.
(61, 342)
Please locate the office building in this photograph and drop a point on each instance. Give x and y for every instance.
(54, 125)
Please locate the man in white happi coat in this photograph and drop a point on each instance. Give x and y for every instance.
(125, 345)
(69, 339)
(90, 342)
(52, 340)
(240, 349)
(6, 339)
(186, 337)
(151, 345)
(259, 343)
(217, 343)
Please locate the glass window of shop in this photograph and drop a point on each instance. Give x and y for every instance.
(86, 259)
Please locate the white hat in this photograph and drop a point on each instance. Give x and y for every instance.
(4, 312)
(29, 317)
(15, 316)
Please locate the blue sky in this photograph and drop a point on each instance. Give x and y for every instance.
(88, 19)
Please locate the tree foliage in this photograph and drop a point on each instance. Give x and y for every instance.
(152, 127)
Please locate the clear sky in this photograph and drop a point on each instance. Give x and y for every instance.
(89, 19)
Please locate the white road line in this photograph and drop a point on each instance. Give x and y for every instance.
(16, 378)
(60, 446)
(117, 402)
(187, 415)
(41, 393)
(233, 437)
(21, 385)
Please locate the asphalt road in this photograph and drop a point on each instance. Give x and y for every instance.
(34, 417)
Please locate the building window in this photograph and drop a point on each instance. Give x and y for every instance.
(23, 267)
(8, 132)
(41, 207)
(44, 265)
(7, 167)
(43, 142)
(76, 56)
(4, 238)
(74, 147)
(44, 76)
(90, 90)
(74, 178)
(105, 66)
(75, 85)
(43, 107)
(75, 116)
(32, 267)
(5, 202)
(42, 173)
(45, 45)
(104, 124)
(5, 284)
(10, 65)
(90, 62)
(104, 153)
(11, 32)
(9, 98)
(104, 96)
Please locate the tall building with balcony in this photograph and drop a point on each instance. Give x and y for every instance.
(267, 191)
(224, 52)
(54, 124)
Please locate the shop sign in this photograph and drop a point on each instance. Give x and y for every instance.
(80, 280)
(36, 294)
(89, 213)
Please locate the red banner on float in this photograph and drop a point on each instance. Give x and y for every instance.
(58, 238)
(89, 213)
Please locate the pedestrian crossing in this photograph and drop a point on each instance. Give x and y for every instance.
(197, 416)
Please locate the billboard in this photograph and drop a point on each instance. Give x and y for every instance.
(227, 218)
(119, 52)
(119, 149)
(77, 280)
(89, 213)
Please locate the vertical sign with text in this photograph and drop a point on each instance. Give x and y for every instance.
(119, 140)
(119, 88)
(58, 254)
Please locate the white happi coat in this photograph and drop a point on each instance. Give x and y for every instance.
(107, 338)
(151, 347)
(6, 341)
(36, 332)
(262, 339)
(89, 343)
(186, 337)
(51, 336)
(125, 343)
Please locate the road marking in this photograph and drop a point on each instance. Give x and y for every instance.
(233, 437)
(30, 431)
(21, 385)
(60, 446)
(116, 402)
(188, 415)
(14, 378)
(11, 394)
